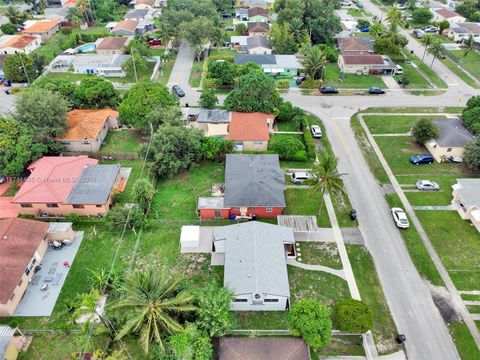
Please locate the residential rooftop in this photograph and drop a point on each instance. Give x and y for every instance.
(452, 133)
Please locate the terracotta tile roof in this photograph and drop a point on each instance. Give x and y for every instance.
(86, 123)
(112, 43)
(363, 59)
(52, 178)
(16, 250)
(446, 13)
(249, 126)
(41, 26)
(19, 41)
(128, 25)
(258, 27)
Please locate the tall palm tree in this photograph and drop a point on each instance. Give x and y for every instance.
(435, 49)
(150, 301)
(426, 41)
(327, 177)
(468, 46)
(314, 61)
(394, 17)
(164, 33)
(83, 8)
(14, 16)
(296, 28)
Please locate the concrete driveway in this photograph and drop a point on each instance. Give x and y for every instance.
(7, 102)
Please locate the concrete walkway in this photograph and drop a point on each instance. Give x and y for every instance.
(400, 134)
(299, 186)
(390, 82)
(455, 295)
(443, 208)
(339, 273)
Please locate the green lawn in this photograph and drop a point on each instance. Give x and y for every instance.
(393, 124)
(223, 53)
(66, 76)
(432, 75)
(305, 202)
(417, 80)
(350, 345)
(287, 126)
(384, 329)
(418, 110)
(320, 253)
(471, 62)
(466, 345)
(196, 75)
(165, 70)
(462, 75)
(351, 81)
(144, 74)
(122, 141)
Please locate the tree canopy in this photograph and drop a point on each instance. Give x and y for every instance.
(472, 155)
(424, 130)
(95, 92)
(352, 316)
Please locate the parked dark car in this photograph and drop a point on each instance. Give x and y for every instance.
(7, 83)
(422, 159)
(364, 29)
(376, 91)
(178, 90)
(328, 90)
(300, 79)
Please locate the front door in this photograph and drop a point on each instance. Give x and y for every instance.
(218, 213)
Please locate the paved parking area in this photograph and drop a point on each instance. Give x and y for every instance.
(37, 302)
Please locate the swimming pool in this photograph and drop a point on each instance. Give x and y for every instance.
(85, 47)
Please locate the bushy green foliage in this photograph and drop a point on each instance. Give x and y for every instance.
(283, 84)
(309, 83)
(241, 29)
(118, 215)
(471, 115)
(212, 148)
(287, 147)
(472, 155)
(222, 71)
(352, 316)
(422, 15)
(424, 130)
(143, 192)
(208, 99)
(309, 141)
(8, 29)
(287, 112)
(473, 102)
(18, 67)
(95, 92)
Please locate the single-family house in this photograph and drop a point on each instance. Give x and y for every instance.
(263, 348)
(452, 139)
(358, 45)
(367, 64)
(258, 28)
(63, 185)
(213, 122)
(255, 264)
(254, 185)
(59, 14)
(43, 28)
(259, 44)
(241, 14)
(448, 15)
(131, 27)
(112, 45)
(258, 14)
(239, 43)
(87, 128)
(9, 345)
(466, 200)
(272, 64)
(14, 44)
(460, 32)
(142, 14)
(102, 65)
(250, 131)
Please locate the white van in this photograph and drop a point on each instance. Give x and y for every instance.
(399, 70)
(299, 177)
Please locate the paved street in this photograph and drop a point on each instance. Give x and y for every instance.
(6, 102)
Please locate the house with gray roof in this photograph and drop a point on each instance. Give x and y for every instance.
(255, 264)
(100, 64)
(259, 44)
(466, 200)
(451, 141)
(254, 186)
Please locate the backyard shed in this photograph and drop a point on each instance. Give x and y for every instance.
(190, 236)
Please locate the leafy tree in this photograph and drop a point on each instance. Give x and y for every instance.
(8, 29)
(15, 16)
(406, 78)
(223, 71)
(422, 15)
(255, 92)
(241, 29)
(139, 46)
(300, 35)
(208, 99)
(151, 302)
(213, 314)
(95, 92)
(389, 43)
(314, 61)
(377, 29)
(473, 102)
(212, 148)
(442, 26)
(135, 65)
(327, 178)
(471, 119)
(198, 33)
(160, 116)
(287, 148)
(143, 192)
(286, 112)
(39, 62)
(64, 87)
(311, 321)
(472, 155)
(43, 112)
(282, 38)
(247, 69)
(321, 22)
(292, 9)
(352, 316)
(104, 11)
(394, 18)
(424, 130)
(119, 215)
(436, 49)
(174, 148)
(19, 68)
(141, 99)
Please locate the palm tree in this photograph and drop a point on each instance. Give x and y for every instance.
(84, 7)
(468, 46)
(314, 60)
(435, 49)
(394, 17)
(426, 41)
(164, 33)
(151, 300)
(327, 178)
(14, 16)
(296, 28)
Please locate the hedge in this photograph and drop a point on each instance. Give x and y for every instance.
(309, 141)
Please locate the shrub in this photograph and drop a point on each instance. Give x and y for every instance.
(300, 156)
(309, 83)
(287, 112)
(283, 84)
(472, 155)
(473, 102)
(309, 141)
(471, 117)
(422, 15)
(424, 130)
(287, 148)
(352, 316)
(8, 29)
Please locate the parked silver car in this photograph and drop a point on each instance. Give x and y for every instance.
(427, 185)
(400, 218)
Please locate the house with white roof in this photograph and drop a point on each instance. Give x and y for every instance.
(466, 200)
(459, 32)
(272, 64)
(102, 65)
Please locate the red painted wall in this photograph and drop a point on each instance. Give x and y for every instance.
(260, 212)
(210, 213)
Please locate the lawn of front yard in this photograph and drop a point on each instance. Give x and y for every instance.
(305, 202)
(320, 253)
(393, 124)
(350, 81)
(471, 62)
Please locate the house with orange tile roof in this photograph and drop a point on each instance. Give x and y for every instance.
(112, 45)
(87, 128)
(14, 44)
(250, 131)
(64, 185)
(43, 28)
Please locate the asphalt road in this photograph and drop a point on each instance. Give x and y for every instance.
(7, 102)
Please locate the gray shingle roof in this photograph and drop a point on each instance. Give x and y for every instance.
(136, 13)
(214, 116)
(255, 257)
(94, 185)
(470, 191)
(257, 59)
(254, 180)
(258, 41)
(452, 133)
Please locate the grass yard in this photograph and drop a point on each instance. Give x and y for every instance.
(122, 141)
(462, 75)
(320, 253)
(432, 75)
(196, 74)
(66, 76)
(305, 202)
(350, 345)
(384, 329)
(417, 80)
(455, 241)
(418, 110)
(222, 53)
(144, 74)
(471, 62)
(393, 124)
(164, 72)
(466, 345)
(351, 81)
(287, 126)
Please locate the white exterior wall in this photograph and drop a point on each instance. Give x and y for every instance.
(265, 306)
(27, 50)
(260, 51)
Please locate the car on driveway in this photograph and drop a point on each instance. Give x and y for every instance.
(178, 90)
(376, 91)
(430, 29)
(299, 80)
(455, 159)
(299, 177)
(422, 159)
(364, 29)
(427, 185)
(400, 218)
(328, 90)
(316, 131)
(418, 33)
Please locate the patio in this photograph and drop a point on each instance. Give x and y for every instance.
(37, 302)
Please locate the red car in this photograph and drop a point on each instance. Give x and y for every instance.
(154, 42)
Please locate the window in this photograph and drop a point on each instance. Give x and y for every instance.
(98, 205)
(78, 206)
(52, 205)
(271, 300)
(258, 143)
(20, 283)
(269, 209)
(240, 300)
(26, 205)
(12, 296)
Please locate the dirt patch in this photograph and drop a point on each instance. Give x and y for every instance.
(445, 304)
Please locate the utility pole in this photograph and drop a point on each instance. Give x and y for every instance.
(134, 67)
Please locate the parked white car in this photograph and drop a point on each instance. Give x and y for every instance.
(299, 177)
(316, 131)
(400, 218)
(427, 185)
(401, 7)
